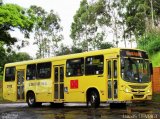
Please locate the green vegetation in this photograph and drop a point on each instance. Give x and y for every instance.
(93, 22)
(87, 29)
(47, 31)
(155, 59)
(1, 77)
(156, 97)
(150, 42)
(13, 16)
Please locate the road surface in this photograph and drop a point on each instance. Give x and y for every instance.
(77, 111)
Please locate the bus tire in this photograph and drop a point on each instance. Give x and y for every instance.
(31, 100)
(94, 99)
(38, 104)
(57, 105)
(117, 105)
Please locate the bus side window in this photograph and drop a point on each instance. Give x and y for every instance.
(75, 67)
(94, 65)
(10, 74)
(31, 72)
(44, 70)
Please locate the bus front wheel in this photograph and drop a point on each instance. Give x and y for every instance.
(94, 99)
(31, 100)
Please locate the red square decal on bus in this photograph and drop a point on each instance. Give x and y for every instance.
(73, 84)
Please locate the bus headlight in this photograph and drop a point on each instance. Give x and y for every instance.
(149, 90)
(127, 90)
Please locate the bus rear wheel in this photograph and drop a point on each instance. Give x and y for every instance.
(31, 100)
(94, 99)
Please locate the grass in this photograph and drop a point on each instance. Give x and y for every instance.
(156, 97)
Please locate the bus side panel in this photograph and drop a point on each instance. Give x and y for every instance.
(78, 86)
(30, 85)
(44, 90)
(97, 82)
(75, 89)
(41, 88)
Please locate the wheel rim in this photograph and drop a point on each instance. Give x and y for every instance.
(31, 100)
(93, 99)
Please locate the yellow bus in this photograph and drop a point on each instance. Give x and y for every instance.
(110, 75)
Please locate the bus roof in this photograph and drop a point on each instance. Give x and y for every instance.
(69, 56)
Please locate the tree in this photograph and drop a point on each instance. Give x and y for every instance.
(47, 31)
(151, 42)
(142, 19)
(139, 14)
(115, 19)
(63, 50)
(88, 25)
(13, 16)
(8, 56)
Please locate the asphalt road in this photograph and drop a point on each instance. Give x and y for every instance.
(77, 111)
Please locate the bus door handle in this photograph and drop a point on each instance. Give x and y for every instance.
(100, 76)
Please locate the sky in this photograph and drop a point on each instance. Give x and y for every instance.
(66, 9)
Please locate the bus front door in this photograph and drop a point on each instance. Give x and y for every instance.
(112, 80)
(59, 83)
(20, 85)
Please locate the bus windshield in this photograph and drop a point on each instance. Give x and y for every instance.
(135, 70)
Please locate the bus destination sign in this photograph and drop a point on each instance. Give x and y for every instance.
(133, 53)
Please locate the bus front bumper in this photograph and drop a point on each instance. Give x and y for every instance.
(129, 96)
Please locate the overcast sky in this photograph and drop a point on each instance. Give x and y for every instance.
(64, 8)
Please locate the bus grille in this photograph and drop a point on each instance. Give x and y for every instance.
(138, 96)
(138, 91)
(138, 87)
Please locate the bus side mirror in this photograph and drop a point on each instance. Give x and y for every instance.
(151, 68)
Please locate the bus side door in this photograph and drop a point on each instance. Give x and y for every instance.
(58, 83)
(112, 79)
(20, 84)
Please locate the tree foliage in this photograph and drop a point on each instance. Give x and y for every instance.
(87, 29)
(139, 15)
(47, 31)
(150, 42)
(8, 56)
(142, 21)
(13, 16)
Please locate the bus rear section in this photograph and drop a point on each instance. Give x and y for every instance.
(13, 83)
